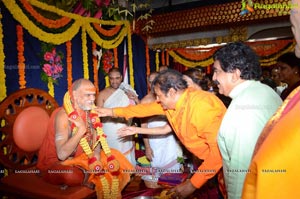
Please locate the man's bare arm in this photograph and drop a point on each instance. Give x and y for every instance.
(65, 145)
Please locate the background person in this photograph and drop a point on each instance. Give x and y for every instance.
(289, 68)
(110, 97)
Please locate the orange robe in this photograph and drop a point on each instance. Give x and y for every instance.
(196, 121)
(274, 170)
(48, 161)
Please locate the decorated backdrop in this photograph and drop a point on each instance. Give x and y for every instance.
(52, 50)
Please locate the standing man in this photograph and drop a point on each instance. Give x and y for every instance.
(237, 72)
(111, 97)
(195, 117)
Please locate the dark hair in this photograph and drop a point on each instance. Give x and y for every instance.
(194, 74)
(240, 56)
(114, 70)
(290, 59)
(169, 79)
(270, 82)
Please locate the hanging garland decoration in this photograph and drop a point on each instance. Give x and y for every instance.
(108, 33)
(2, 64)
(36, 31)
(193, 57)
(95, 67)
(40, 19)
(69, 63)
(157, 60)
(102, 37)
(167, 58)
(163, 61)
(190, 63)
(21, 58)
(84, 54)
(269, 51)
(105, 41)
(116, 63)
(129, 50)
(69, 29)
(49, 28)
(147, 58)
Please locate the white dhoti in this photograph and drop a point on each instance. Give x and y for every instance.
(111, 125)
(165, 148)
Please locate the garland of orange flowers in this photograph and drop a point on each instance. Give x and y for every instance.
(163, 61)
(69, 63)
(167, 58)
(95, 67)
(44, 21)
(147, 59)
(116, 63)
(21, 58)
(108, 33)
(2, 64)
(188, 62)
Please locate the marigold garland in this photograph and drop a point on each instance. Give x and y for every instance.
(44, 21)
(21, 58)
(163, 61)
(68, 34)
(157, 60)
(190, 63)
(84, 54)
(108, 33)
(80, 22)
(147, 59)
(129, 50)
(167, 58)
(106, 81)
(69, 63)
(107, 44)
(95, 67)
(116, 62)
(50, 88)
(34, 30)
(2, 64)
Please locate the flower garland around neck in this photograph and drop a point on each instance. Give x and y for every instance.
(96, 166)
(51, 63)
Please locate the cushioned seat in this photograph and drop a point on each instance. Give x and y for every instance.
(24, 118)
(31, 185)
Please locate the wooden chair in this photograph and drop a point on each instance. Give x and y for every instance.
(24, 117)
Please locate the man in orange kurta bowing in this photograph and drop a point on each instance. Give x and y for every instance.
(195, 117)
(65, 160)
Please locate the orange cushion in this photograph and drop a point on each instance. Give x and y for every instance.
(29, 184)
(30, 128)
